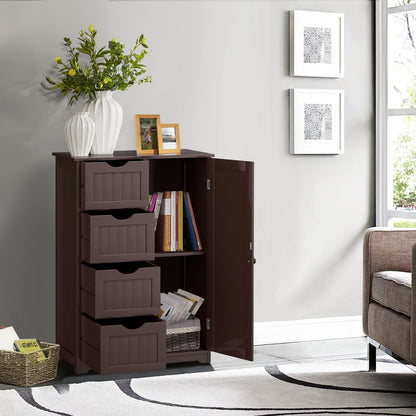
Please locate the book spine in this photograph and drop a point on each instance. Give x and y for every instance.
(198, 240)
(163, 229)
(152, 202)
(190, 233)
(157, 207)
(148, 203)
(180, 221)
(173, 221)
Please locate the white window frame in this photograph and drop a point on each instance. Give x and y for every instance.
(383, 173)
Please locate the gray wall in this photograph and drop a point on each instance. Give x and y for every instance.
(220, 69)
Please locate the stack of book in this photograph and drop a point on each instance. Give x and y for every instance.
(176, 226)
(179, 305)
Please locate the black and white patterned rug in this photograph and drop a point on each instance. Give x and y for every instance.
(341, 387)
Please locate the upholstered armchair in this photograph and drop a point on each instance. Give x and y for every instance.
(389, 303)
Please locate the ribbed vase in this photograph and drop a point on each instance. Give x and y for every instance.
(79, 134)
(107, 115)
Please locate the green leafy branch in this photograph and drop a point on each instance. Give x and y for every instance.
(88, 69)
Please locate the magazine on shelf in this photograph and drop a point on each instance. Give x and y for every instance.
(197, 300)
(179, 305)
(186, 305)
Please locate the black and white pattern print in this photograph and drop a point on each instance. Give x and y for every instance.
(318, 122)
(317, 45)
(341, 387)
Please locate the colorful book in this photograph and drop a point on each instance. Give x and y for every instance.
(148, 203)
(190, 228)
(173, 221)
(180, 221)
(152, 202)
(30, 345)
(163, 239)
(198, 240)
(177, 222)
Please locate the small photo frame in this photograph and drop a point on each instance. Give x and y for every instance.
(147, 133)
(316, 121)
(169, 142)
(316, 44)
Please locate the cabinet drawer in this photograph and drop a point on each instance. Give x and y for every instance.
(107, 239)
(104, 186)
(123, 345)
(129, 290)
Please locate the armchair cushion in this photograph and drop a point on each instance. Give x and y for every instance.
(392, 289)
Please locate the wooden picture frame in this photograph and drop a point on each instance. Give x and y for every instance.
(148, 133)
(169, 141)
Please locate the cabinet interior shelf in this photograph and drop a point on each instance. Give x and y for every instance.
(201, 355)
(179, 253)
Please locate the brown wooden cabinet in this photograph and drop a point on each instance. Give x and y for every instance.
(109, 277)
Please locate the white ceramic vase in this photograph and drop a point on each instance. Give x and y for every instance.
(79, 134)
(107, 115)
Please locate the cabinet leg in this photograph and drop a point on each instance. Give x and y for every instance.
(372, 357)
(81, 368)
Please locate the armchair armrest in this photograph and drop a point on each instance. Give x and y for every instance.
(385, 249)
(413, 309)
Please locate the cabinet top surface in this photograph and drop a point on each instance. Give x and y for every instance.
(131, 154)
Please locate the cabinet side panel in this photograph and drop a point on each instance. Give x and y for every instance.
(67, 259)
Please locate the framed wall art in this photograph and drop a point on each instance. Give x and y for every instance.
(147, 133)
(169, 142)
(316, 44)
(316, 121)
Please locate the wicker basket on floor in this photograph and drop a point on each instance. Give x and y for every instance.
(183, 335)
(24, 369)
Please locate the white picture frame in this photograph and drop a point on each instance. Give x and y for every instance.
(316, 121)
(316, 44)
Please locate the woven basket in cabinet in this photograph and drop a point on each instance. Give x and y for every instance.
(183, 335)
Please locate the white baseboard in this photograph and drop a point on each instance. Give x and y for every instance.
(277, 332)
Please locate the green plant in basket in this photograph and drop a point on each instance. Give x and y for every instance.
(87, 69)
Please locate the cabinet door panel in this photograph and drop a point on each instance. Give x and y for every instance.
(232, 253)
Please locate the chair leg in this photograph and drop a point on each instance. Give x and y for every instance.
(372, 357)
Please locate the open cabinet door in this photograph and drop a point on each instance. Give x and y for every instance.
(231, 202)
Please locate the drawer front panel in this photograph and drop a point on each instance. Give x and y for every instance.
(106, 239)
(113, 294)
(110, 187)
(110, 349)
